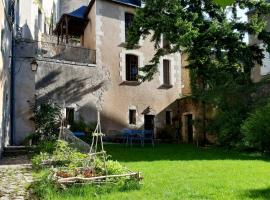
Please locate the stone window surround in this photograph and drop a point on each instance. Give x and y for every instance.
(172, 69)
(123, 61)
(132, 126)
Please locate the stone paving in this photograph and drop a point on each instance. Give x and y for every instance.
(15, 178)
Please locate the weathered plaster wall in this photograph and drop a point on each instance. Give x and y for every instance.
(28, 17)
(69, 83)
(120, 97)
(5, 66)
(89, 41)
(24, 90)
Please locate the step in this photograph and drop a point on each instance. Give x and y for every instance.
(10, 151)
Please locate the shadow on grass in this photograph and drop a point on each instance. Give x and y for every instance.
(175, 152)
(259, 193)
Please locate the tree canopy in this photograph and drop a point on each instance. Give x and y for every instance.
(220, 61)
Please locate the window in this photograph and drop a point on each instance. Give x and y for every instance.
(166, 44)
(39, 19)
(132, 117)
(70, 115)
(166, 72)
(168, 117)
(131, 67)
(11, 10)
(128, 22)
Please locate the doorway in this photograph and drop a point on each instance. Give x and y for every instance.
(149, 123)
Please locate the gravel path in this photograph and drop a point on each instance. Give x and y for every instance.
(16, 177)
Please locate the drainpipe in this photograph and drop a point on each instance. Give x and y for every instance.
(12, 91)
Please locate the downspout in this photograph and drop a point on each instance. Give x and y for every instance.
(12, 91)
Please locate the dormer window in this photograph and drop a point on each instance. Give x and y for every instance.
(132, 63)
(128, 22)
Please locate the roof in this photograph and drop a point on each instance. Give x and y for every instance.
(79, 13)
(131, 3)
(136, 3)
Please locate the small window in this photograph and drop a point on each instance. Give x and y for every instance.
(166, 44)
(166, 72)
(132, 117)
(70, 116)
(168, 117)
(128, 22)
(39, 19)
(131, 67)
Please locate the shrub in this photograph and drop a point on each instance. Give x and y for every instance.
(256, 129)
(47, 118)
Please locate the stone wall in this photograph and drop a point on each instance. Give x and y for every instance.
(74, 84)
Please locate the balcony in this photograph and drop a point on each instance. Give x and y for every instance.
(63, 52)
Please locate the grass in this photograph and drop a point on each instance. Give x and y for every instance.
(183, 172)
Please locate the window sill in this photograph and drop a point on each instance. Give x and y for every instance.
(131, 83)
(165, 86)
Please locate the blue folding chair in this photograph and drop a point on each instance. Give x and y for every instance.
(148, 135)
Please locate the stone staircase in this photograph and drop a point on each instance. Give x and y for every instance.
(11, 151)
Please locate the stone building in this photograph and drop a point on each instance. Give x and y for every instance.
(96, 72)
(6, 19)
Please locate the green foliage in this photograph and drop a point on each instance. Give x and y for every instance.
(219, 58)
(47, 117)
(256, 129)
(62, 155)
(224, 3)
(115, 167)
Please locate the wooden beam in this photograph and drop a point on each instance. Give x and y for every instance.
(61, 26)
(66, 29)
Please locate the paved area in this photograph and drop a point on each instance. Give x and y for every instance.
(15, 178)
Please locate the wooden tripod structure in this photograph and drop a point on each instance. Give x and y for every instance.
(97, 137)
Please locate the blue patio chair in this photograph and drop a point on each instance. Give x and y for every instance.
(126, 135)
(148, 136)
(136, 135)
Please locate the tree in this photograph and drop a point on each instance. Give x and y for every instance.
(256, 129)
(224, 2)
(217, 54)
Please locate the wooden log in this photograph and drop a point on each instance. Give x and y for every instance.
(98, 153)
(75, 179)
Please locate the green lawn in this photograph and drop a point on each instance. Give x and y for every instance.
(185, 172)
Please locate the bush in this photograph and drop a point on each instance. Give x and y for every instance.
(47, 118)
(63, 154)
(256, 129)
